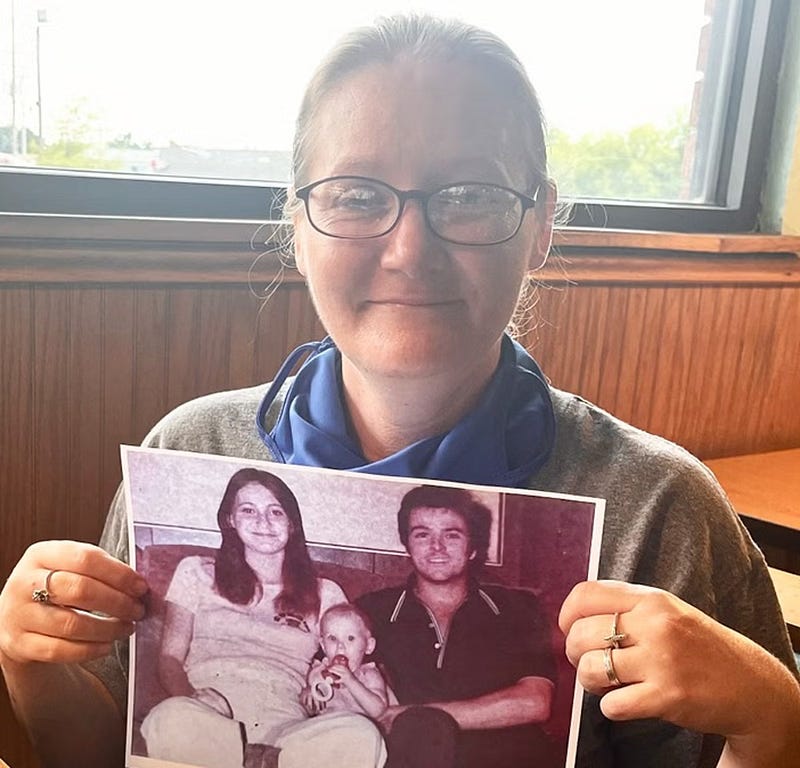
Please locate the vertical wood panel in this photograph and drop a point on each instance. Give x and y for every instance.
(150, 364)
(16, 424)
(17, 441)
(53, 413)
(85, 372)
(118, 376)
(242, 334)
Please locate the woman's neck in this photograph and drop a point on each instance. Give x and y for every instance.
(268, 568)
(390, 413)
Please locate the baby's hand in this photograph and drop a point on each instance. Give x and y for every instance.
(339, 667)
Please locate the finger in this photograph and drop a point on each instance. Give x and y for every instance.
(594, 632)
(71, 589)
(626, 663)
(57, 622)
(88, 560)
(590, 598)
(631, 702)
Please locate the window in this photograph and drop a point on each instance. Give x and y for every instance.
(659, 113)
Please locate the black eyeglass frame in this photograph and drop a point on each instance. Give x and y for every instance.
(404, 195)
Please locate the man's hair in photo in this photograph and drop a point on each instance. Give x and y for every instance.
(476, 515)
(235, 579)
(349, 611)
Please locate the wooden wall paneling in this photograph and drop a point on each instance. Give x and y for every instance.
(706, 331)
(632, 333)
(757, 360)
(242, 337)
(714, 368)
(784, 379)
(595, 331)
(183, 344)
(198, 334)
(17, 438)
(713, 405)
(118, 383)
(17, 446)
(672, 361)
(613, 347)
(52, 413)
(271, 334)
(85, 374)
(151, 366)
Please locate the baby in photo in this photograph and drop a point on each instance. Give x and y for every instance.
(342, 681)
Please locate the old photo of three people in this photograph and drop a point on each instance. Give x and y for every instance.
(297, 611)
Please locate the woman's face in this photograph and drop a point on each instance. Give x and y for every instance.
(260, 520)
(409, 304)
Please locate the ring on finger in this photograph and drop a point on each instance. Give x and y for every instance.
(616, 637)
(608, 664)
(43, 595)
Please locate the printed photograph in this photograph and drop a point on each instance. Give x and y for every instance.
(297, 612)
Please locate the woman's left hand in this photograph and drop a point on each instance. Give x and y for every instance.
(673, 662)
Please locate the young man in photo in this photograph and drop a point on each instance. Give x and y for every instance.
(471, 664)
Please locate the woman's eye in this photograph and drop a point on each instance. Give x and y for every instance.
(484, 198)
(277, 512)
(359, 199)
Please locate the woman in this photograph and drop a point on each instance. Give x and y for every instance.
(240, 631)
(420, 202)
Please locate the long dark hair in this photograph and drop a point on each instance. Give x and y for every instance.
(235, 579)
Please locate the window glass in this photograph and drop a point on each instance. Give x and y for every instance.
(635, 93)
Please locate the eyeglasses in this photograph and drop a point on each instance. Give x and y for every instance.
(465, 213)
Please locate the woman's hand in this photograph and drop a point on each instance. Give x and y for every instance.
(674, 663)
(84, 579)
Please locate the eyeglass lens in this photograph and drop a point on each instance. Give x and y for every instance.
(471, 213)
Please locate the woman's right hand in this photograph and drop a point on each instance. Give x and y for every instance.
(85, 579)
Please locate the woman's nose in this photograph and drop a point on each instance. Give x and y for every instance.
(411, 247)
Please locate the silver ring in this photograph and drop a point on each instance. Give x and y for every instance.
(615, 638)
(608, 663)
(43, 595)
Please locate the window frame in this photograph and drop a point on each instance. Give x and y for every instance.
(742, 167)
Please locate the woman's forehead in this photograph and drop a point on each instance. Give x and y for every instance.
(438, 116)
(255, 492)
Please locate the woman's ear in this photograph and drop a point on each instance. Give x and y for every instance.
(545, 212)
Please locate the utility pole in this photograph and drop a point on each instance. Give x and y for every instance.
(41, 18)
(13, 82)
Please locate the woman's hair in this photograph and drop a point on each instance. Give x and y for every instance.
(235, 579)
(477, 517)
(423, 38)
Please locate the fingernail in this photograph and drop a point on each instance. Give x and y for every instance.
(140, 587)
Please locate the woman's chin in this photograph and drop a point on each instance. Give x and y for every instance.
(414, 355)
